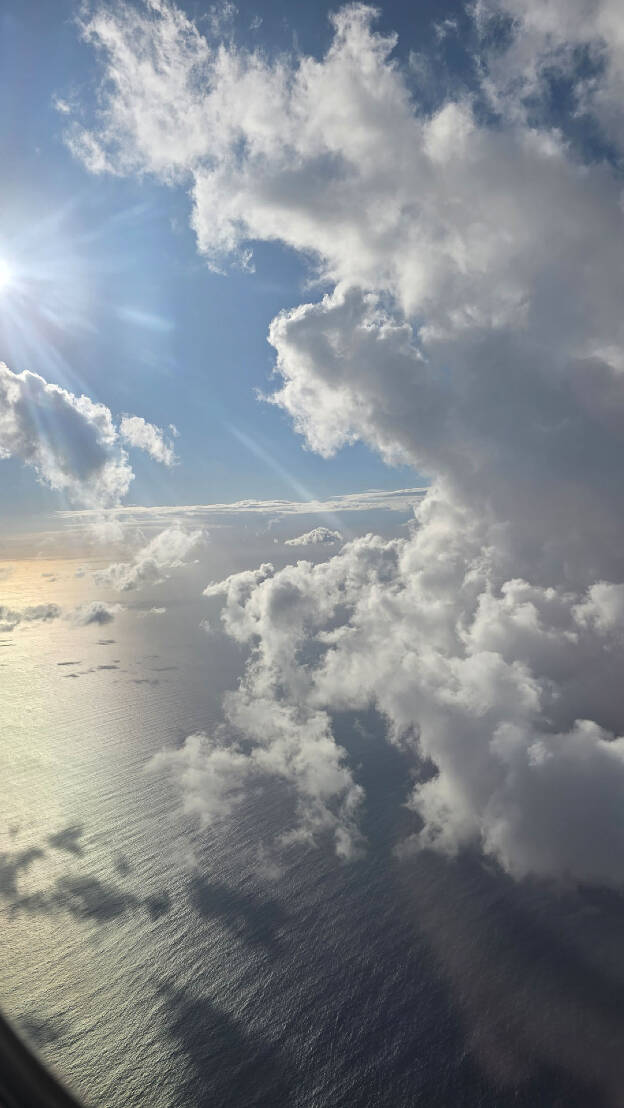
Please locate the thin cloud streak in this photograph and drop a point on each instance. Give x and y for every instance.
(396, 500)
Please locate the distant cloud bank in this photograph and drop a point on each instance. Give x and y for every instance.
(97, 611)
(10, 618)
(391, 500)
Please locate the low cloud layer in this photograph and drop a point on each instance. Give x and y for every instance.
(94, 612)
(496, 685)
(10, 618)
(152, 564)
(472, 328)
(71, 442)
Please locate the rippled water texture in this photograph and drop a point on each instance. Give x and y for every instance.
(154, 964)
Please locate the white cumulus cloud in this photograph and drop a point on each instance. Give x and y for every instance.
(96, 611)
(473, 328)
(152, 563)
(71, 442)
(145, 436)
(318, 536)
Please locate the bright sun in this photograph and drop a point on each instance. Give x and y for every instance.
(5, 274)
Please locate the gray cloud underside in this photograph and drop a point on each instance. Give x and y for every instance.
(473, 329)
(71, 442)
(96, 612)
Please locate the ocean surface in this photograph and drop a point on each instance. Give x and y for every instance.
(156, 964)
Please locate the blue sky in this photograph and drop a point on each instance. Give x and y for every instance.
(115, 301)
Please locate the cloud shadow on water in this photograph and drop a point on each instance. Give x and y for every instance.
(157, 905)
(68, 839)
(86, 897)
(254, 919)
(12, 865)
(541, 1017)
(229, 1066)
(41, 1032)
(83, 896)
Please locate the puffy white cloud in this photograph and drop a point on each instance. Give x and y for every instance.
(71, 441)
(330, 156)
(474, 329)
(510, 690)
(96, 611)
(145, 436)
(318, 536)
(295, 747)
(581, 42)
(10, 618)
(151, 564)
(237, 588)
(211, 776)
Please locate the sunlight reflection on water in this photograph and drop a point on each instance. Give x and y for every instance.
(152, 964)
